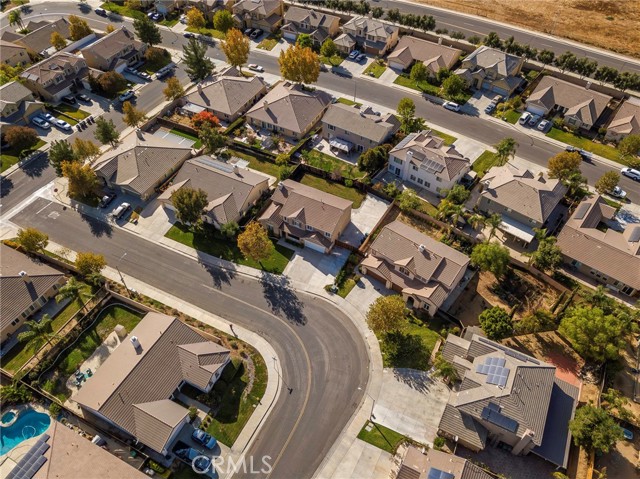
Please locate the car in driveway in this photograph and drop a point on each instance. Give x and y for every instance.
(256, 68)
(144, 75)
(533, 121)
(490, 108)
(121, 210)
(84, 98)
(256, 33)
(631, 173)
(40, 123)
(354, 54)
(62, 125)
(361, 57)
(452, 106)
(47, 117)
(524, 119)
(248, 32)
(617, 192)
(69, 99)
(204, 438)
(127, 95)
(544, 125)
(106, 200)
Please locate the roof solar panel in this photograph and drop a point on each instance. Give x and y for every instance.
(438, 474)
(499, 419)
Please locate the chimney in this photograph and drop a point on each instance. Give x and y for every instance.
(236, 170)
(265, 103)
(25, 276)
(139, 133)
(135, 342)
(421, 248)
(199, 87)
(588, 85)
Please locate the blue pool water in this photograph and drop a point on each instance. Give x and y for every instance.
(29, 424)
(8, 417)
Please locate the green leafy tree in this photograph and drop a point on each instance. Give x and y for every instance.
(223, 21)
(111, 82)
(458, 195)
(131, 115)
(506, 150)
(90, 264)
(387, 314)
(443, 74)
(38, 333)
(189, 204)
(491, 257)
(566, 61)
(195, 18)
(449, 212)
(78, 28)
(419, 72)
(230, 229)
(493, 222)
(32, 240)
(299, 64)
(15, 18)
(59, 152)
(594, 429)
(548, 255)
(147, 31)
(174, 89)
(496, 323)
(71, 290)
(57, 41)
(211, 138)
(194, 54)
(445, 370)
(406, 110)
(616, 403)
(564, 164)
(606, 74)
(453, 86)
(373, 159)
(492, 40)
(408, 200)
(629, 146)
(536, 322)
(9, 73)
(254, 242)
(235, 48)
(304, 40)
(546, 57)
(575, 183)
(84, 150)
(82, 179)
(607, 182)
(21, 138)
(106, 131)
(328, 49)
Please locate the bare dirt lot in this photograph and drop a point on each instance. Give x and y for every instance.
(609, 24)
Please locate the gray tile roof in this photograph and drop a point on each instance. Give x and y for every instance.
(434, 56)
(465, 427)
(40, 39)
(18, 293)
(370, 26)
(155, 421)
(9, 49)
(54, 66)
(345, 40)
(363, 123)
(491, 58)
(13, 93)
(263, 7)
(313, 18)
(114, 43)
(416, 465)
(627, 119)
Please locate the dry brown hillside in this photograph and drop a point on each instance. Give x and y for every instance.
(609, 24)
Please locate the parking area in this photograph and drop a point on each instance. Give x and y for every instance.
(314, 268)
(364, 219)
(478, 102)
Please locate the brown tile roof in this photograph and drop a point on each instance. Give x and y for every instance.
(311, 17)
(155, 421)
(13, 93)
(9, 49)
(534, 196)
(264, 7)
(487, 58)
(416, 465)
(362, 122)
(610, 252)
(370, 26)
(40, 39)
(54, 66)
(627, 119)
(114, 43)
(434, 56)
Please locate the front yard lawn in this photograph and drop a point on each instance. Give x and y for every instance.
(152, 67)
(337, 189)
(123, 10)
(375, 69)
(210, 241)
(334, 60)
(11, 156)
(268, 43)
(511, 116)
(484, 162)
(346, 101)
(210, 32)
(429, 88)
(381, 437)
(257, 164)
(330, 164)
(171, 19)
(72, 111)
(194, 138)
(64, 117)
(448, 139)
(599, 149)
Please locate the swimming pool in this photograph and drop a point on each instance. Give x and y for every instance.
(29, 424)
(8, 417)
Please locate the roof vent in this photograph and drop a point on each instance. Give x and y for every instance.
(280, 186)
(266, 103)
(588, 85)
(421, 248)
(25, 276)
(135, 342)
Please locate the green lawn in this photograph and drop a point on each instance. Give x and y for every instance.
(268, 43)
(197, 143)
(152, 67)
(381, 437)
(337, 189)
(484, 162)
(448, 139)
(211, 242)
(334, 60)
(375, 69)
(72, 111)
(511, 116)
(122, 10)
(257, 164)
(11, 156)
(63, 117)
(410, 348)
(429, 88)
(346, 101)
(330, 163)
(210, 32)
(605, 151)
(171, 19)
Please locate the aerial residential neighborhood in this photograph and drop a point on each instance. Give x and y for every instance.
(327, 239)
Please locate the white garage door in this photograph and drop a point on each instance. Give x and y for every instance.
(396, 66)
(314, 247)
(536, 110)
(290, 36)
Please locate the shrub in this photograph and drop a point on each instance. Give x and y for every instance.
(438, 443)
(54, 409)
(193, 413)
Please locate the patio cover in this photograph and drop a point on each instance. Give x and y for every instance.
(517, 229)
(343, 145)
(191, 108)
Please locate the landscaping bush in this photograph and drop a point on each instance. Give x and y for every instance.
(54, 409)
(438, 443)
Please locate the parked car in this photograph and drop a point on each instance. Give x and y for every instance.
(450, 105)
(524, 119)
(156, 17)
(585, 155)
(256, 68)
(256, 33)
(106, 199)
(69, 99)
(628, 435)
(47, 117)
(206, 439)
(341, 72)
(83, 97)
(121, 210)
(188, 35)
(183, 19)
(544, 125)
(101, 11)
(39, 122)
(127, 95)
(618, 192)
(323, 67)
(248, 32)
(354, 54)
(497, 99)
(144, 75)
(151, 14)
(631, 173)
(533, 121)
(63, 125)
(361, 57)
(195, 458)
(130, 70)
(206, 39)
(490, 108)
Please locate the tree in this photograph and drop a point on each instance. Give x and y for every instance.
(194, 54)
(133, 4)
(496, 323)
(195, 18)
(32, 240)
(156, 57)
(406, 110)
(230, 229)
(211, 138)
(585, 67)
(443, 74)
(304, 40)
(57, 41)
(205, 116)
(254, 242)
(494, 221)
(147, 31)
(536, 322)
(575, 183)
(83, 182)
(408, 200)
(546, 57)
(110, 28)
(83, 150)
(419, 72)
(387, 314)
(606, 74)
(564, 164)
(59, 152)
(616, 404)
(223, 20)
(373, 159)
(594, 429)
(449, 212)
(506, 150)
(445, 370)
(78, 28)
(629, 146)
(9, 73)
(299, 64)
(189, 204)
(492, 40)
(174, 89)
(111, 83)
(131, 115)
(90, 264)
(491, 257)
(548, 255)
(235, 48)
(595, 336)
(15, 18)
(458, 195)
(453, 86)
(38, 332)
(566, 61)
(21, 137)
(328, 49)
(71, 290)
(106, 131)
(607, 182)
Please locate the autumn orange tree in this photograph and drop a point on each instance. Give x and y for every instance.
(299, 64)
(235, 48)
(254, 243)
(203, 117)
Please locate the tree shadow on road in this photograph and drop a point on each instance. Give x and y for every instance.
(282, 298)
(6, 185)
(97, 227)
(35, 168)
(219, 276)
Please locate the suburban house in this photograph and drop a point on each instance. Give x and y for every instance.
(114, 51)
(133, 388)
(435, 464)
(208, 7)
(372, 36)
(425, 161)
(289, 110)
(231, 190)
(492, 69)
(434, 56)
(26, 286)
(228, 97)
(507, 399)
(264, 14)
(13, 54)
(626, 121)
(423, 270)
(38, 41)
(318, 25)
(141, 163)
(579, 106)
(524, 200)
(306, 215)
(348, 128)
(17, 103)
(56, 76)
(594, 244)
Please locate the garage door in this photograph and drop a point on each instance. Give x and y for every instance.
(396, 66)
(314, 247)
(290, 36)
(536, 110)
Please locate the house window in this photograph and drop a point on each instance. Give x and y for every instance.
(413, 177)
(327, 234)
(427, 184)
(331, 127)
(438, 178)
(414, 167)
(309, 228)
(397, 160)
(420, 181)
(403, 270)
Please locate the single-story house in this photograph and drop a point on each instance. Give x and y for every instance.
(626, 121)
(13, 54)
(318, 25)
(114, 51)
(38, 40)
(491, 69)
(434, 56)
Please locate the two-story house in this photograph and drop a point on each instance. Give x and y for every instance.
(427, 162)
(372, 36)
(56, 76)
(264, 14)
(114, 51)
(306, 215)
(626, 120)
(17, 103)
(318, 25)
(38, 40)
(493, 70)
(13, 54)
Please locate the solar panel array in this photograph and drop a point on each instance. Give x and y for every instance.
(510, 352)
(438, 474)
(32, 461)
(495, 371)
(431, 166)
(495, 417)
(215, 164)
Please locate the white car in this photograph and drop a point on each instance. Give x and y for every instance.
(127, 95)
(120, 210)
(631, 173)
(63, 125)
(543, 125)
(450, 105)
(47, 117)
(39, 122)
(524, 119)
(618, 192)
(256, 68)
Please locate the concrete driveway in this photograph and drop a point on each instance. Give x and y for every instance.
(478, 102)
(364, 219)
(314, 268)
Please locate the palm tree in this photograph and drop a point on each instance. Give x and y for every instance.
(574, 184)
(72, 290)
(38, 332)
(494, 221)
(476, 220)
(506, 150)
(449, 212)
(445, 370)
(15, 18)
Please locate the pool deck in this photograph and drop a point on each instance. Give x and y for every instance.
(9, 460)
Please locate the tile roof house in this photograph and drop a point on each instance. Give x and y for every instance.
(580, 106)
(114, 51)
(492, 69)
(228, 97)
(231, 190)
(289, 110)
(318, 25)
(141, 163)
(525, 200)
(133, 388)
(13, 54)
(423, 270)
(264, 14)
(17, 103)
(38, 40)
(437, 465)
(411, 49)
(372, 36)
(208, 7)
(507, 396)
(427, 162)
(54, 77)
(626, 120)
(349, 128)
(593, 243)
(306, 215)
(26, 286)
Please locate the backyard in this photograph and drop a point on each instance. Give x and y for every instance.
(381, 437)
(197, 142)
(336, 189)
(599, 149)
(257, 164)
(11, 156)
(332, 164)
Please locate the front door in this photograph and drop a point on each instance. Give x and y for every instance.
(397, 171)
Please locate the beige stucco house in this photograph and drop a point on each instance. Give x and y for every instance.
(56, 76)
(114, 51)
(626, 120)
(492, 69)
(264, 14)
(13, 54)
(373, 36)
(318, 25)
(434, 56)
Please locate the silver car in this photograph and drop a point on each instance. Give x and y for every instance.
(39, 122)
